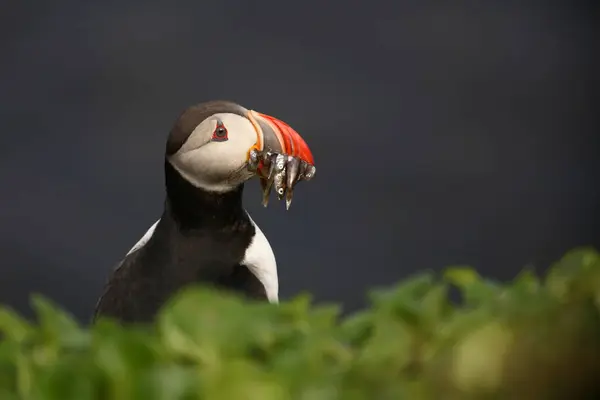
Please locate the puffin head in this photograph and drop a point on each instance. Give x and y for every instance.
(211, 145)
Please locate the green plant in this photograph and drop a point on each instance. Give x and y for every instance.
(529, 339)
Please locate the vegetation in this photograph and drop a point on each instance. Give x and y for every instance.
(534, 338)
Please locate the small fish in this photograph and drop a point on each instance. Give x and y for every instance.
(302, 170)
(292, 169)
(272, 170)
(289, 194)
(269, 184)
(280, 160)
(266, 190)
(266, 157)
(253, 160)
(280, 184)
(280, 170)
(265, 160)
(310, 172)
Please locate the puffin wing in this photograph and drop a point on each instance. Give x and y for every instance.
(111, 300)
(255, 275)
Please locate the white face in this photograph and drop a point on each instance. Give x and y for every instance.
(215, 154)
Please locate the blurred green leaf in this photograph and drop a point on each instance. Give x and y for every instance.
(357, 328)
(168, 382)
(461, 276)
(475, 291)
(527, 281)
(13, 327)
(435, 307)
(68, 379)
(524, 339)
(52, 319)
(479, 358)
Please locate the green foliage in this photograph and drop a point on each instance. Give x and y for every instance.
(529, 339)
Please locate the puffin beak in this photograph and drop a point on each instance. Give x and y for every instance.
(280, 157)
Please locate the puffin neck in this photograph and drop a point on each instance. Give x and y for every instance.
(195, 208)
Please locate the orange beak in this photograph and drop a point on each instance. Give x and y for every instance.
(278, 137)
(277, 142)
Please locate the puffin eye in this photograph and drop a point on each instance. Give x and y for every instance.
(220, 133)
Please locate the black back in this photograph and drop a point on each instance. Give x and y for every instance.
(202, 237)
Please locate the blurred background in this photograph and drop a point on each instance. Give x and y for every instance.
(443, 134)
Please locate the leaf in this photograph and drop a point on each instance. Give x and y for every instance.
(238, 379)
(69, 379)
(116, 349)
(168, 382)
(324, 317)
(527, 281)
(475, 291)
(13, 326)
(413, 288)
(357, 328)
(56, 324)
(521, 339)
(577, 274)
(479, 359)
(435, 307)
(461, 276)
(404, 301)
(207, 325)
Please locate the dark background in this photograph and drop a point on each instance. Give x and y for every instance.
(443, 134)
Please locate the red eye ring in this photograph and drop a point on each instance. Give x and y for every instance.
(220, 133)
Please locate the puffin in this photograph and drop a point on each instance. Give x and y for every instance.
(205, 235)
